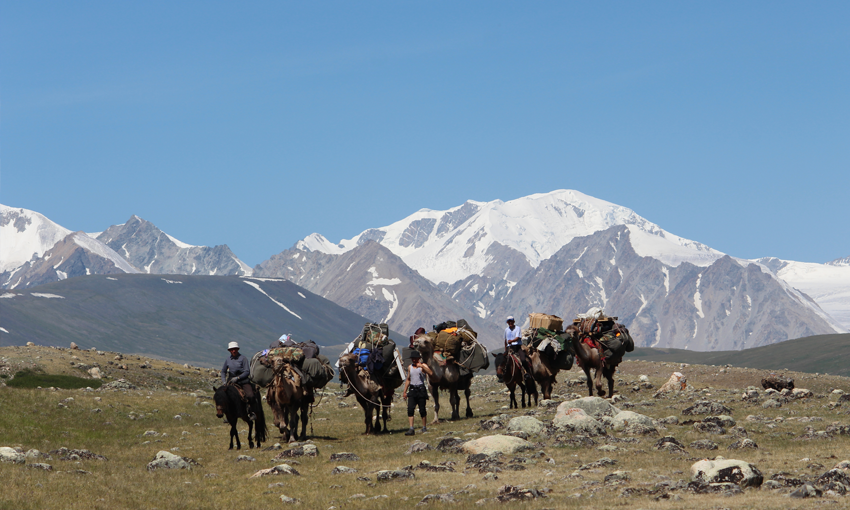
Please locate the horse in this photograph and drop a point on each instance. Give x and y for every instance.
(444, 377)
(370, 394)
(288, 398)
(589, 357)
(509, 371)
(228, 403)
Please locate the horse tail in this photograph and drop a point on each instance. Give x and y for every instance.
(260, 430)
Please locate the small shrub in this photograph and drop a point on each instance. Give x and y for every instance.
(33, 378)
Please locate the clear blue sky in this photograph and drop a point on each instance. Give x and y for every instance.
(256, 124)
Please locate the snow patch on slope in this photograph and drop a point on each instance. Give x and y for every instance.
(275, 301)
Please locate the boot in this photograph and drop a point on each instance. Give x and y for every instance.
(251, 415)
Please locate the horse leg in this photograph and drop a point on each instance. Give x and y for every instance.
(467, 392)
(234, 433)
(524, 391)
(250, 434)
(512, 401)
(598, 374)
(533, 392)
(293, 423)
(589, 379)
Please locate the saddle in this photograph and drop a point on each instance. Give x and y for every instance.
(238, 387)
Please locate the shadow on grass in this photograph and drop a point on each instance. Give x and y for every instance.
(33, 378)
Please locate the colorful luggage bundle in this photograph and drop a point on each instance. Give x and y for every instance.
(614, 338)
(457, 342)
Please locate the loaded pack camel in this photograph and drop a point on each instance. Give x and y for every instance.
(288, 398)
(589, 356)
(444, 377)
(544, 370)
(369, 393)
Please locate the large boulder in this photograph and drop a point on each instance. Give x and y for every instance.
(675, 384)
(11, 455)
(576, 421)
(491, 445)
(631, 422)
(593, 406)
(527, 424)
(723, 470)
(777, 382)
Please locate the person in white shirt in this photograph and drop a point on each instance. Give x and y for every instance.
(513, 341)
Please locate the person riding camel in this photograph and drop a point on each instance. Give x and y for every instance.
(415, 391)
(236, 370)
(513, 340)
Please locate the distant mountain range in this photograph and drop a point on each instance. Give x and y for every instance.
(561, 252)
(179, 318)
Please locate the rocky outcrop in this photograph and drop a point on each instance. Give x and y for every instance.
(723, 470)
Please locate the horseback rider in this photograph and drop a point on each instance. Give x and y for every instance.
(513, 341)
(418, 394)
(235, 371)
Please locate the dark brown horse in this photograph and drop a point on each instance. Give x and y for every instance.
(589, 356)
(289, 398)
(228, 403)
(509, 371)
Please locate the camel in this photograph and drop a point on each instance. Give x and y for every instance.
(509, 371)
(590, 358)
(544, 369)
(370, 395)
(288, 398)
(444, 377)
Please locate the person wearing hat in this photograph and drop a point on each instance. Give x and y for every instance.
(513, 341)
(414, 389)
(236, 370)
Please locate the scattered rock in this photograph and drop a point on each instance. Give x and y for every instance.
(801, 393)
(41, 466)
(307, 450)
(512, 493)
(771, 403)
(69, 454)
(451, 445)
(74, 346)
(670, 444)
(417, 447)
(703, 444)
(617, 476)
(709, 428)
(527, 424)
(280, 469)
(168, 460)
(725, 488)
(807, 491)
(577, 422)
(345, 456)
(743, 444)
(834, 475)
(437, 498)
(245, 458)
(289, 501)
(342, 469)
(496, 444)
(675, 384)
(670, 420)
(706, 407)
(722, 420)
(726, 470)
(778, 383)
(592, 406)
(633, 423)
(11, 455)
(387, 475)
(120, 384)
(604, 461)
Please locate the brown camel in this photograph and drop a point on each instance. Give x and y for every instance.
(544, 370)
(444, 377)
(369, 393)
(588, 358)
(288, 398)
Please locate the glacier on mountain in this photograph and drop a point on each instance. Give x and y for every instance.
(451, 245)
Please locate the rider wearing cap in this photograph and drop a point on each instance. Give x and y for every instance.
(415, 391)
(513, 341)
(236, 370)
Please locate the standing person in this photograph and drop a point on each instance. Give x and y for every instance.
(415, 383)
(513, 341)
(236, 370)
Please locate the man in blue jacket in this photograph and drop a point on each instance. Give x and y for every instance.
(236, 370)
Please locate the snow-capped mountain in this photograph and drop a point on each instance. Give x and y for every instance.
(726, 305)
(75, 255)
(35, 250)
(25, 235)
(480, 253)
(373, 282)
(447, 246)
(153, 251)
(828, 284)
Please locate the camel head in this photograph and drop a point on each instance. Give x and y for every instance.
(424, 345)
(347, 361)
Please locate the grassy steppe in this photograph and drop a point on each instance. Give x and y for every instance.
(113, 424)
